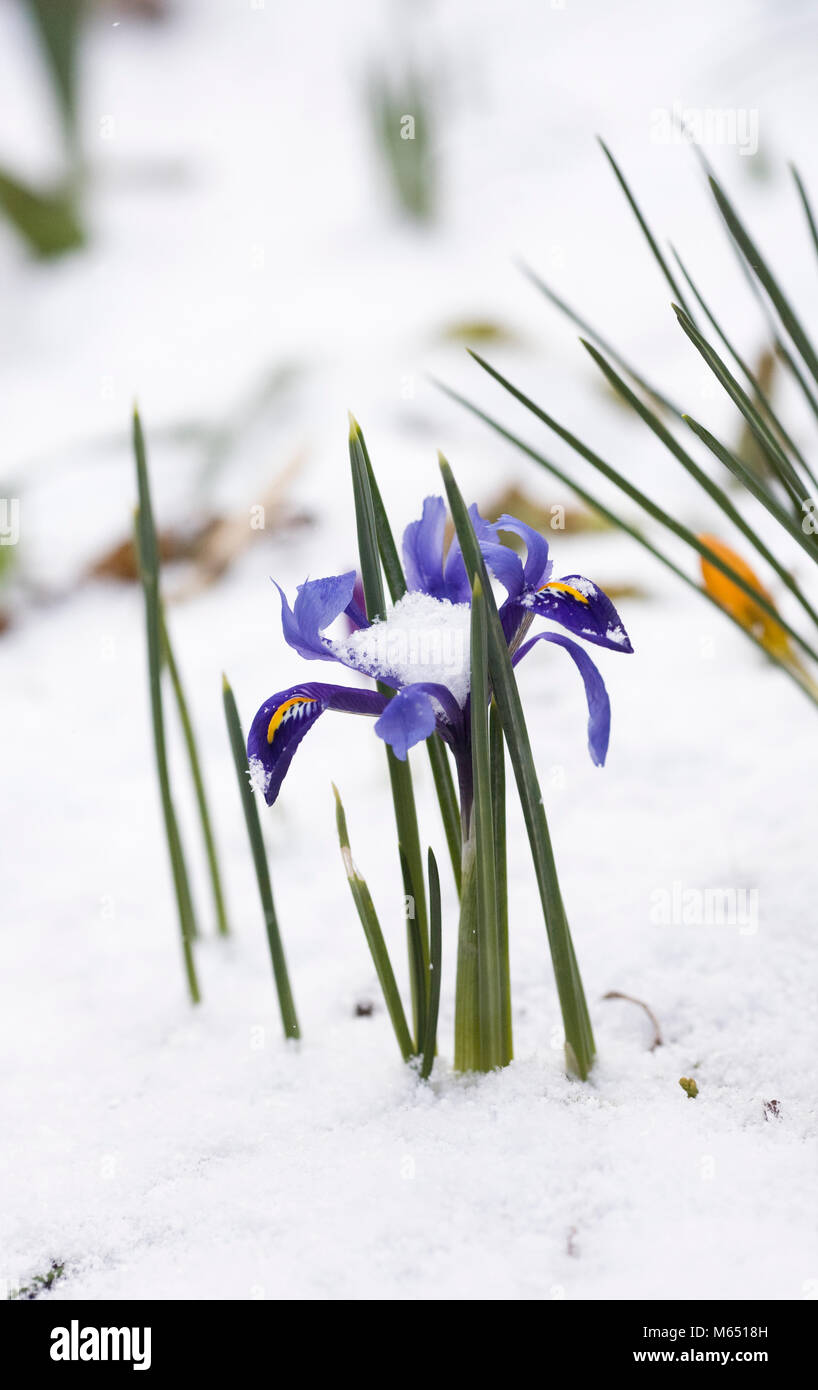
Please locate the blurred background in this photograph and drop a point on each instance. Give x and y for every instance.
(252, 216)
(212, 207)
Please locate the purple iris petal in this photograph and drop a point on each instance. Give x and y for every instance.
(537, 567)
(356, 608)
(585, 610)
(410, 717)
(599, 706)
(423, 549)
(284, 719)
(500, 560)
(318, 603)
(505, 566)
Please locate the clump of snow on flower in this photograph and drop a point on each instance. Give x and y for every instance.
(583, 586)
(259, 776)
(422, 639)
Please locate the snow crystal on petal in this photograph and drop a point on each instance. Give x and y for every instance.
(259, 776)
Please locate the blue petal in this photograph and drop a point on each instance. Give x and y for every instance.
(285, 718)
(423, 549)
(537, 564)
(500, 560)
(599, 705)
(584, 609)
(318, 603)
(409, 718)
(356, 608)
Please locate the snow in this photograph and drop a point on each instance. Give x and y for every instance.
(240, 225)
(421, 639)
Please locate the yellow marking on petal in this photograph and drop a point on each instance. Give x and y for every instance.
(565, 589)
(282, 710)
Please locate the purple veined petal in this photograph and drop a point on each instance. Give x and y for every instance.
(285, 718)
(501, 560)
(505, 566)
(318, 603)
(356, 608)
(538, 567)
(423, 549)
(410, 717)
(577, 603)
(599, 705)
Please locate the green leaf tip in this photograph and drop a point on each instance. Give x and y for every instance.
(354, 427)
(226, 687)
(689, 1087)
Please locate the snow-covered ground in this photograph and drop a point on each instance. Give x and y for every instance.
(162, 1151)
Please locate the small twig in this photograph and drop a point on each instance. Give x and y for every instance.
(657, 1032)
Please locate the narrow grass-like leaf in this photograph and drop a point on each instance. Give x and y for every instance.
(393, 569)
(400, 775)
(759, 393)
(588, 331)
(396, 583)
(652, 508)
(59, 25)
(406, 821)
(198, 781)
(286, 1003)
(408, 157)
(369, 554)
(742, 473)
(807, 206)
(374, 936)
(46, 218)
(625, 526)
(447, 800)
(579, 1037)
(498, 806)
(435, 969)
(647, 233)
(706, 483)
(148, 554)
(779, 461)
(748, 271)
(467, 1050)
(488, 933)
(418, 965)
(761, 269)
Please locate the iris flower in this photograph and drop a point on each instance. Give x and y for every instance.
(420, 650)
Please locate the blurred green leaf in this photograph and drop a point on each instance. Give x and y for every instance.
(47, 221)
(58, 24)
(401, 119)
